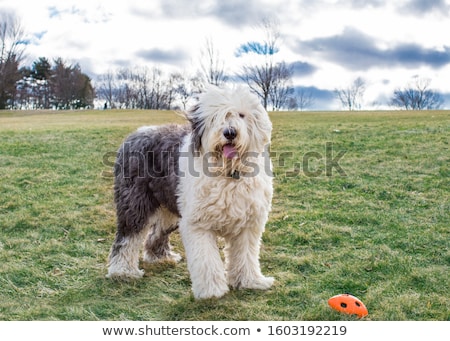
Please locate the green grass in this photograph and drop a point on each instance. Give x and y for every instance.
(381, 232)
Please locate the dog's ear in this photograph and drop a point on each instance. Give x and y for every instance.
(197, 126)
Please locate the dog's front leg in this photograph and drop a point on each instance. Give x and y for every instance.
(242, 261)
(204, 263)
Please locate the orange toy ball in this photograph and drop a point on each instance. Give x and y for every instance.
(348, 304)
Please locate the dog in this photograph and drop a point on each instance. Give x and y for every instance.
(209, 178)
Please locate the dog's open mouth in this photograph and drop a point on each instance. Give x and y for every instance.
(229, 151)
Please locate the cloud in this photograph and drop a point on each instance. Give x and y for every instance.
(94, 13)
(319, 94)
(239, 13)
(415, 55)
(53, 12)
(303, 68)
(39, 35)
(355, 50)
(157, 56)
(322, 99)
(365, 3)
(421, 7)
(234, 13)
(446, 99)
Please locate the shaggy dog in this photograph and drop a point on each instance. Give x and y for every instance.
(211, 178)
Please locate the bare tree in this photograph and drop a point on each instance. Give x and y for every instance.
(351, 97)
(140, 78)
(171, 89)
(211, 65)
(107, 88)
(301, 100)
(147, 88)
(186, 88)
(11, 53)
(281, 88)
(158, 89)
(261, 78)
(417, 95)
(126, 89)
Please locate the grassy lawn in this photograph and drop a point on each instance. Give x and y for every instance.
(361, 205)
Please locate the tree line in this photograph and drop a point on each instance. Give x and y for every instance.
(416, 95)
(11, 54)
(44, 84)
(146, 88)
(59, 85)
(56, 85)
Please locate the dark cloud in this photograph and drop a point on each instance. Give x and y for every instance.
(357, 51)
(322, 99)
(241, 13)
(303, 68)
(445, 99)
(421, 7)
(319, 94)
(161, 56)
(415, 55)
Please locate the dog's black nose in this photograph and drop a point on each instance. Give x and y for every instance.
(230, 133)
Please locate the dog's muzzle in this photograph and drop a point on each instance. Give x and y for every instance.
(229, 150)
(230, 133)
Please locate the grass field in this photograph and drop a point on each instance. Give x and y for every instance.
(361, 205)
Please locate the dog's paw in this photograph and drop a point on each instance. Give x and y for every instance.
(125, 274)
(211, 292)
(168, 257)
(174, 257)
(259, 283)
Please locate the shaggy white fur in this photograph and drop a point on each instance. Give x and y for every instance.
(223, 188)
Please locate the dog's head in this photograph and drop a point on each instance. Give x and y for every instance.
(229, 122)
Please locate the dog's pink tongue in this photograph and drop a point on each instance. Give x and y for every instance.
(229, 151)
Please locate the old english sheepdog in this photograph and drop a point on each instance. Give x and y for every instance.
(210, 178)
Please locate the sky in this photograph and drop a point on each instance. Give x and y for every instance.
(328, 42)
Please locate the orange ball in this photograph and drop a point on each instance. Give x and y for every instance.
(348, 304)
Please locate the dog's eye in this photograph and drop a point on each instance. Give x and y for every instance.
(241, 115)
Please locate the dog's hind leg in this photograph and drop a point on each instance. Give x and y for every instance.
(124, 257)
(157, 246)
(133, 210)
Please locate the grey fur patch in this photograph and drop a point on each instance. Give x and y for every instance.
(146, 178)
(198, 127)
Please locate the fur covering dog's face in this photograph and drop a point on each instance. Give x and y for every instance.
(229, 123)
